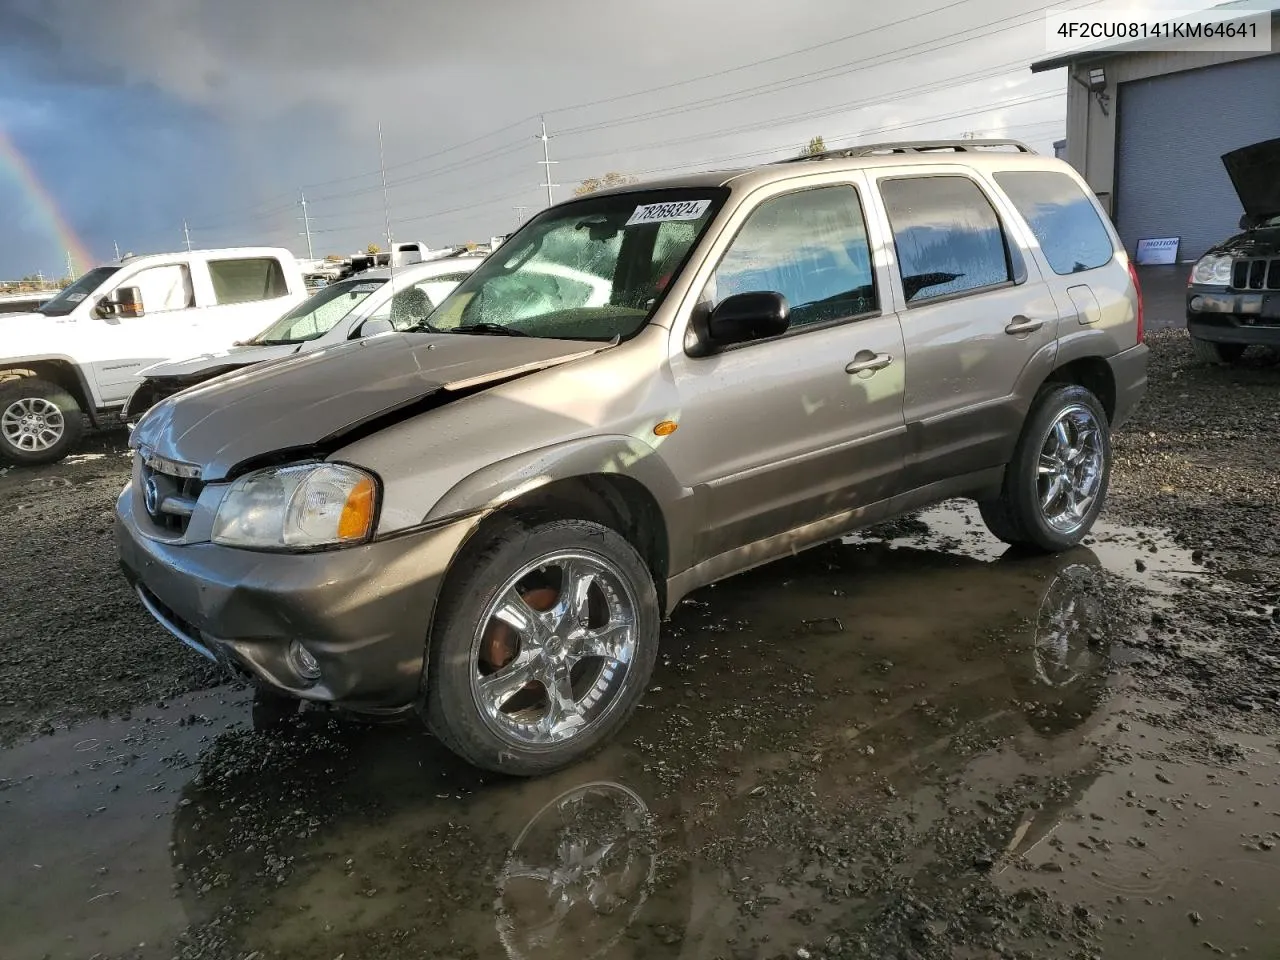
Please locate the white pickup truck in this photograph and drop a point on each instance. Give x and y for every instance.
(79, 353)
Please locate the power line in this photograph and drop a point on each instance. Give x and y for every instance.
(773, 86)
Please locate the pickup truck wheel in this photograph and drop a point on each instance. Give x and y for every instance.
(541, 647)
(1209, 351)
(40, 422)
(1055, 485)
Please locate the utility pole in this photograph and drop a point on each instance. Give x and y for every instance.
(519, 215)
(186, 234)
(386, 205)
(71, 266)
(306, 223)
(546, 161)
(117, 246)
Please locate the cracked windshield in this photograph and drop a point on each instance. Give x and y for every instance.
(553, 484)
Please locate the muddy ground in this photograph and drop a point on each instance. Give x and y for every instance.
(911, 744)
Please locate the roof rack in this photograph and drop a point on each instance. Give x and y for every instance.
(908, 146)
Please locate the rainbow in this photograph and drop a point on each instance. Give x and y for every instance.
(15, 165)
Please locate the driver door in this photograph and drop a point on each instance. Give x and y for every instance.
(780, 433)
(166, 330)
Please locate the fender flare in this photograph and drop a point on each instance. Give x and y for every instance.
(90, 408)
(492, 487)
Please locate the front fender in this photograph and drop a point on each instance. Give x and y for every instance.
(491, 487)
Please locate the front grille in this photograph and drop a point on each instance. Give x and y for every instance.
(1258, 273)
(170, 500)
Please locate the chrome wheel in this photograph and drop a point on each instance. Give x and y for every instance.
(552, 652)
(32, 424)
(1070, 469)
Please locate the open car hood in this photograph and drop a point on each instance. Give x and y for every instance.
(312, 401)
(1255, 173)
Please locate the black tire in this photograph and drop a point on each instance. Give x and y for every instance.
(272, 711)
(450, 707)
(1016, 516)
(1209, 351)
(28, 389)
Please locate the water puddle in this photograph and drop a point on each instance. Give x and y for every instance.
(878, 742)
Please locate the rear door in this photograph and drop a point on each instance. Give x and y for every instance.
(240, 296)
(1078, 257)
(976, 314)
(778, 433)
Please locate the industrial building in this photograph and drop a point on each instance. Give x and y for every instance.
(1147, 129)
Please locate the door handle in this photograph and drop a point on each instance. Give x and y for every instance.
(1021, 324)
(877, 362)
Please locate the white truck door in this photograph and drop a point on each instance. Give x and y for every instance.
(123, 345)
(241, 298)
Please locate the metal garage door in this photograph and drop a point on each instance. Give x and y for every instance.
(1172, 131)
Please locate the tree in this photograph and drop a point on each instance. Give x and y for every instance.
(816, 146)
(372, 249)
(611, 179)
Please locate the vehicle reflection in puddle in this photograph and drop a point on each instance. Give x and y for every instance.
(869, 743)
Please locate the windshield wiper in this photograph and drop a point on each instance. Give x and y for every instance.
(496, 329)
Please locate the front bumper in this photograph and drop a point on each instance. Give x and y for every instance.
(363, 612)
(1129, 373)
(1224, 317)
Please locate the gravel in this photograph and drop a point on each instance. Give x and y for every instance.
(910, 798)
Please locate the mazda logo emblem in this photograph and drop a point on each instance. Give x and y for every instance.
(151, 496)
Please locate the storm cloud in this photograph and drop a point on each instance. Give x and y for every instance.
(138, 114)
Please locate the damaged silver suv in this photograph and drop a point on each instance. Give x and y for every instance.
(486, 517)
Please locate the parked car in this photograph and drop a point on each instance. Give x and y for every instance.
(487, 521)
(24, 302)
(78, 354)
(372, 302)
(1233, 291)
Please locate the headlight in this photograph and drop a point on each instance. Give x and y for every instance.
(299, 506)
(1213, 270)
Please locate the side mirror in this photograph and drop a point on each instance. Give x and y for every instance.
(127, 302)
(748, 316)
(376, 326)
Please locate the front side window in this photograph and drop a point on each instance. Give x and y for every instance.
(1064, 222)
(410, 307)
(244, 281)
(947, 235)
(811, 247)
(319, 314)
(163, 288)
(594, 269)
(75, 294)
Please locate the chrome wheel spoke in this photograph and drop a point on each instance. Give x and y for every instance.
(516, 613)
(499, 687)
(1049, 464)
(1061, 436)
(563, 710)
(612, 642)
(573, 605)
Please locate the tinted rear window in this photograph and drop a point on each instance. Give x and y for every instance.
(948, 236)
(243, 281)
(1065, 223)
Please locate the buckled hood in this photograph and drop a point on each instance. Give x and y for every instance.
(1255, 173)
(313, 399)
(221, 360)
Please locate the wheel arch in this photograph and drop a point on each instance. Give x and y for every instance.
(616, 481)
(56, 369)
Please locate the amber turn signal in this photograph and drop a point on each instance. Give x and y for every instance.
(665, 428)
(357, 513)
